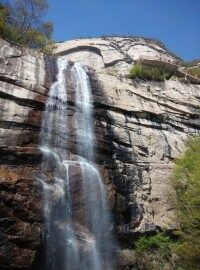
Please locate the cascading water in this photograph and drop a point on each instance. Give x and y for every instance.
(77, 223)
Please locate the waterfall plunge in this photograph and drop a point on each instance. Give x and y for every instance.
(77, 223)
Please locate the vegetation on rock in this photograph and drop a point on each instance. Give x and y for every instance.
(5, 30)
(148, 73)
(192, 67)
(192, 63)
(154, 253)
(159, 252)
(148, 253)
(21, 21)
(186, 200)
(145, 72)
(194, 71)
(157, 242)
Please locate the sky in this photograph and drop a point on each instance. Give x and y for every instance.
(174, 22)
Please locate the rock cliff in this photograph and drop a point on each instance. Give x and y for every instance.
(140, 126)
(23, 91)
(114, 55)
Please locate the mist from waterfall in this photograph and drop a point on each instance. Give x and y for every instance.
(77, 220)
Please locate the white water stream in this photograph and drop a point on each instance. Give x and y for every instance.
(77, 222)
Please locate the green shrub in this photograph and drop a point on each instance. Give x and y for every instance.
(186, 201)
(137, 71)
(148, 73)
(154, 253)
(157, 242)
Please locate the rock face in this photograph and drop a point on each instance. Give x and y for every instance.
(113, 55)
(23, 90)
(140, 127)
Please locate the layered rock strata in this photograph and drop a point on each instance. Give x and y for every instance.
(140, 127)
(114, 55)
(23, 91)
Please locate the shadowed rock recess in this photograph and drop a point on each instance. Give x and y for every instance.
(140, 128)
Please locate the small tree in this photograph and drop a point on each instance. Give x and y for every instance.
(24, 23)
(26, 15)
(186, 187)
(5, 30)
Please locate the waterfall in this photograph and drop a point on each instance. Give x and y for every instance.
(77, 221)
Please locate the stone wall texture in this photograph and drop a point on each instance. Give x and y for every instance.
(140, 128)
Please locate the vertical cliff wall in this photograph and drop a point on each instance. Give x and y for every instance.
(140, 127)
(23, 91)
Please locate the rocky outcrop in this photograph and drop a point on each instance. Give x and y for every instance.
(140, 127)
(113, 55)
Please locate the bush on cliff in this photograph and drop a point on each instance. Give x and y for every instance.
(157, 242)
(153, 253)
(186, 201)
(148, 73)
(159, 252)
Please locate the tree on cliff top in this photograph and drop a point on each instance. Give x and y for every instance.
(5, 30)
(186, 187)
(24, 22)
